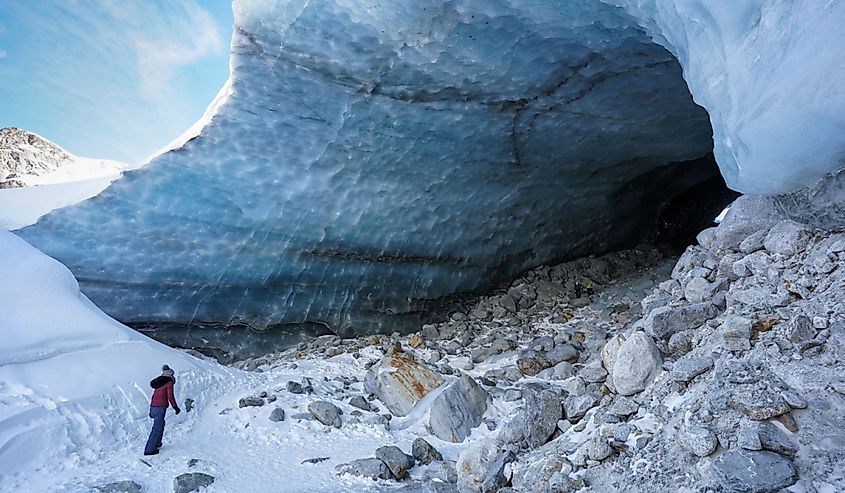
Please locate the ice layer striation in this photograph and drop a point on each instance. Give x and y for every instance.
(374, 158)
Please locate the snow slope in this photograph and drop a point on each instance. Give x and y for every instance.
(76, 180)
(72, 380)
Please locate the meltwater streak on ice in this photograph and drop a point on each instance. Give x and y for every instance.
(370, 162)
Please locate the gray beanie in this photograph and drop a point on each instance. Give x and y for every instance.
(166, 371)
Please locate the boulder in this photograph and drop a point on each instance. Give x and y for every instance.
(368, 468)
(325, 412)
(576, 406)
(609, 351)
(397, 461)
(541, 413)
(562, 352)
(753, 471)
(637, 364)
(685, 369)
(119, 487)
(457, 410)
(664, 321)
(443, 471)
(736, 333)
(251, 402)
(277, 415)
(294, 387)
(787, 238)
(361, 403)
(481, 467)
(192, 481)
(697, 440)
(747, 215)
(800, 329)
(400, 381)
(424, 452)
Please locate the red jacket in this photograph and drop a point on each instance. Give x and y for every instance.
(163, 393)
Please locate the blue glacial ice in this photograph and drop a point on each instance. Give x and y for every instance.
(374, 158)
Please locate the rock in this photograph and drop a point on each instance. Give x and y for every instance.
(481, 467)
(368, 468)
(698, 290)
(736, 333)
(771, 438)
(439, 472)
(623, 407)
(277, 415)
(539, 416)
(637, 364)
(609, 351)
(685, 369)
(294, 388)
(325, 412)
(119, 487)
(192, 481)
(576, 406)
(315, 460)
(251, 402)
(512, 395)
(697, 440)
(361, 403)
(531, 363)
(462, 363)
(562, 370)
(415, 341)
(395, 460)
(754, 242)
(562, 352)
(593, 373)
(457, 410)
(747, 436)
(622, 432)
(759, 405)
(399, 381)
(747, 215)
(542, 344)
(189, 405)
(800, 329)
(787, 238)
(743, 470)
(598, 449)
(424, 452)
(664, 321)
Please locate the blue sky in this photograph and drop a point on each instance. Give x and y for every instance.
(111, 79)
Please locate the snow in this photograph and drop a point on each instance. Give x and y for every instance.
(74, 399)
(76, 180)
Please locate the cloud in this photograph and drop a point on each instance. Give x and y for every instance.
(171, 45)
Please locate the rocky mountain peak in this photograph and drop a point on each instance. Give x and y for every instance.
(25, 153)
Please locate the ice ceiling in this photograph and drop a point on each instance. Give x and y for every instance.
(376, 157)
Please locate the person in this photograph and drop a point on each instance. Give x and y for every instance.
(162, 396)
(590, 290)
(577, 289)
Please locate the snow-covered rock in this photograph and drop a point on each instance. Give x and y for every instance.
(637, 363)
(457, 410)
(400, 381)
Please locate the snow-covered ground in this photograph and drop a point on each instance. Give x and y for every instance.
(74, 400)
(77, 180)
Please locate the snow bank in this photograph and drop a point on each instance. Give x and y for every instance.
(73, 382)
(77, 180)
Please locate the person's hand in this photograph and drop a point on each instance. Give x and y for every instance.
(177, 410)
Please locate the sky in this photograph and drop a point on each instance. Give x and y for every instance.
(111, 79)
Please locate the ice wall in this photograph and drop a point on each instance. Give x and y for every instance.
(769, 74)
(376, 157)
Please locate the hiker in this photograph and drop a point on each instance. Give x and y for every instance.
(590, 290)
(162, 396)
(577, 289)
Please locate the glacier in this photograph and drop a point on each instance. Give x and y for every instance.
(373, 159)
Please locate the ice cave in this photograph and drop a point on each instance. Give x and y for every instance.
(384, 227)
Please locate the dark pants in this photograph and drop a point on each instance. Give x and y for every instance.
(154, 442)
